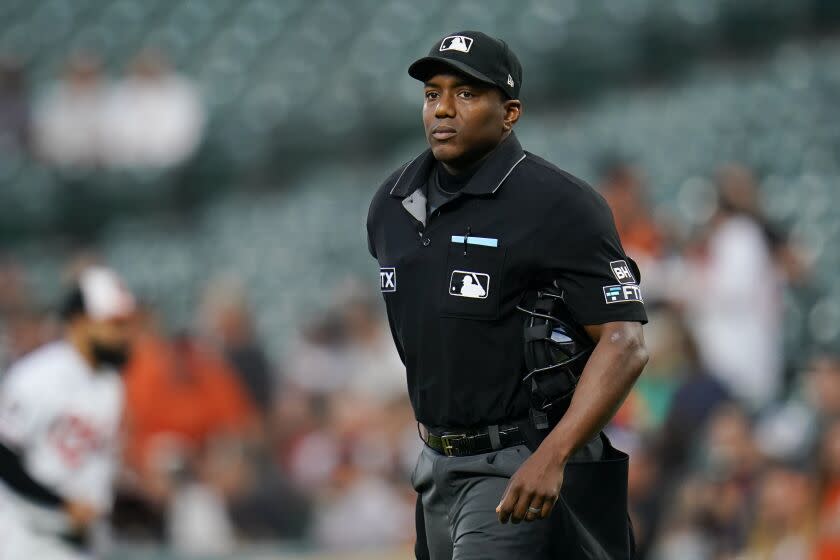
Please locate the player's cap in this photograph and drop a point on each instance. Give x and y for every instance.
(477, 55)
(100, 294)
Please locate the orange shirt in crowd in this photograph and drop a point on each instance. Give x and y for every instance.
(828, 536)
(639, 233)
(184, 389)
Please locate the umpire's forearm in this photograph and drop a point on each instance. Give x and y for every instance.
(615, 364)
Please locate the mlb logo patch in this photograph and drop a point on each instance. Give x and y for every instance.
(463, 283)
(622, 293)
(622, 272)
(388, 279)
(458, 43)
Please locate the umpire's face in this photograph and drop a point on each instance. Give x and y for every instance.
(465, 119)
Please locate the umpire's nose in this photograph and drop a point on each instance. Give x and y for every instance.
(445, 108)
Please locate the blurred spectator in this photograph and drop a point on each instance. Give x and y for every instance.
(828, 521)
(357, 518)
(698, 397)
(730, 463)
(316, 363)
(728, 450)
(685, 534)
(14, 106)
(622, 185)
(739, 190)
(710, 515)
(376, 371)
(352, 459)
(346, 430)
(25, 330)
(23, 326)
(226, 320)
(645, 492)
(733, 297)
(154, 118)
(164, 381)
(645, 409)
(791, 431)
(68, 118)
(823, 389)
(783, 527)
(14, 295)
(192, 441)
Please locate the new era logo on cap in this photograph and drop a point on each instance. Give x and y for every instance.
(456, 43)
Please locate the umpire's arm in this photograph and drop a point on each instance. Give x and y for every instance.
(617, 361)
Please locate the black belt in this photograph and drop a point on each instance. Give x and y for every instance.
(471, 442)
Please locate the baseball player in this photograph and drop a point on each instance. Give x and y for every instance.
(60, 408)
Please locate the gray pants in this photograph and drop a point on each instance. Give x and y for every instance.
(459, 497)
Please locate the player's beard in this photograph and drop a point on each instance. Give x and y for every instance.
(110, 355)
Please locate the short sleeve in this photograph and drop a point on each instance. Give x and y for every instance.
(581, 252)
(371, 248)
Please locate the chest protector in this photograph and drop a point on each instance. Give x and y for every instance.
(556, 351)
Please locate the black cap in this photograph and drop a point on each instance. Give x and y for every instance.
(477, 55)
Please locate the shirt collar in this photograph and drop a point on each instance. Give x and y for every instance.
(487, 180)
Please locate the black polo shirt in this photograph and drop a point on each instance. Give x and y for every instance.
(451, 282)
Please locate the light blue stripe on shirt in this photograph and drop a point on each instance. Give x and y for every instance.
(486, 241)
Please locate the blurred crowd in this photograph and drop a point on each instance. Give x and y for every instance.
(151, 117)
(731, 441)
(222, 445)
(735, 447)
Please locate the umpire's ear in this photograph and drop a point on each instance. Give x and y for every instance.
(513, 110)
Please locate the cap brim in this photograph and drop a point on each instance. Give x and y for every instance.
(424, 68)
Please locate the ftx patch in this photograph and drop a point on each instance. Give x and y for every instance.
(388, 279)
(622, 293)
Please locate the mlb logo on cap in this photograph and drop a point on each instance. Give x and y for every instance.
(459, 43)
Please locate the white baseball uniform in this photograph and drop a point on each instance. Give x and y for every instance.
(61, 417)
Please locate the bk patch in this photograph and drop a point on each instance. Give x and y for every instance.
(388, 279)
(622, 272)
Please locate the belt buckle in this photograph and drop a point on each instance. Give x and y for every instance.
(448, 441)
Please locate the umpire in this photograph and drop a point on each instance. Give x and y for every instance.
(519, 319)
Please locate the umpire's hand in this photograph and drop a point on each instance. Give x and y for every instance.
(533, 489)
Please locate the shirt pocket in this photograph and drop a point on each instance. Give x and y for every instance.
(473, 282)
